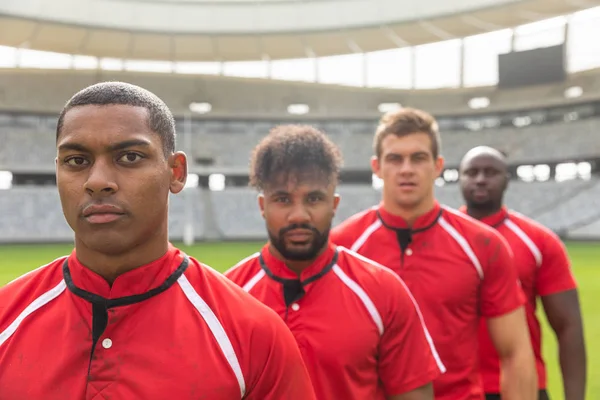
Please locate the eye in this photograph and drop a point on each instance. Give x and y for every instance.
(314, 198)
(130, 158)
(75, 161)
(281, 199)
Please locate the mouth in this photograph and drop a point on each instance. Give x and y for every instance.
(102, 214)
(407, 185)
(299, 236)
(103, 218)
(480, 192)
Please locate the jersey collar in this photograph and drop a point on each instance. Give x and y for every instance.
(493, 220)
(281, 270)
(423, 222)
(146, 279)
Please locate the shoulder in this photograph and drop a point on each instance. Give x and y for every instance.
(237, 310)
(244, 270)
(476, 233)
(374, 278)
(352, 228)
(31, 291)
(534, 229)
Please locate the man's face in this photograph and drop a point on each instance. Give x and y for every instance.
(113, 177)
(483, 180)
(408, 169)
(298, 215)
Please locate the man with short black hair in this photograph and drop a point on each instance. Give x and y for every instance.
(544, 272)
(359, 330)
(126, 315)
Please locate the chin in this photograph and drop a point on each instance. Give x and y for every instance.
(107, 243)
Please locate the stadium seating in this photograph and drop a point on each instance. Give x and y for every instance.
(31, 214)
(229, 143)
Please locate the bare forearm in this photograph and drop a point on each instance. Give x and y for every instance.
(519, 378)
(573, 363)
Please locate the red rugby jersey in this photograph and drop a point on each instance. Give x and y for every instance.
(172, 329)
(544, 269)
(457, 268)
(359, 330)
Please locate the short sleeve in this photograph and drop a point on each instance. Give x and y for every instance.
(501, 290)
(408, 358)
(554, 274)
(277, 370)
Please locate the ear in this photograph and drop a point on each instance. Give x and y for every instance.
(439, 166)
(179, 171)
(261, 204)
(336, 202)
(375, 166)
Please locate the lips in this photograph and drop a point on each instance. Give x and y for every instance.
(298, 235)
(102, 213)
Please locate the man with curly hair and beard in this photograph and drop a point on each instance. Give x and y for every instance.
(359, 330)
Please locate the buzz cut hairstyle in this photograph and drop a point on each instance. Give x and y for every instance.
(404, 122)
(160, 118)
(294, 152)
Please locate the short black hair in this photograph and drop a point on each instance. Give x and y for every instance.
(160, 119)
(294, 150)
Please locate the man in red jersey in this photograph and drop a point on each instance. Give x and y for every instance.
(544, 271)
(359, 330)
(457, 268)
(127, 315)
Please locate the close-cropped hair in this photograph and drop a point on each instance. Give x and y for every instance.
(160, 118)
(404, 122)
(294, 151)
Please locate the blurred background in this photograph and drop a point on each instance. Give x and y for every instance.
(520, 75)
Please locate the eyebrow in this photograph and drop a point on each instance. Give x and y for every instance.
(113, 147)
(311, 193)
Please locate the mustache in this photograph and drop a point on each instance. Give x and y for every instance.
(288, 228)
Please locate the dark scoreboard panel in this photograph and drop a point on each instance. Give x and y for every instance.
(532, 67)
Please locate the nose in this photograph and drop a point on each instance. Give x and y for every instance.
(480, 178)
(298, 215)
(407, 166)
(101, 179)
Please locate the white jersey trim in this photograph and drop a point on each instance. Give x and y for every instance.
(216, 328)
(428, 337)
(362, 295)
(537, 254)
(255, 279)
(365, 235)
(464, 244)
(31, 308)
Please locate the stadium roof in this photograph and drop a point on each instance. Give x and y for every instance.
(236, 30)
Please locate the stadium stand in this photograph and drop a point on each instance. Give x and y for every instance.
(542, 129)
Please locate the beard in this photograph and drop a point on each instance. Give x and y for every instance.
(319, 240)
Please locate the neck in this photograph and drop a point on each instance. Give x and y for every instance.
(409, 214)
(296, 266)
(481, 213)
(110, 266)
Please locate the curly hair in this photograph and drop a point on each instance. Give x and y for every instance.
(294, 150)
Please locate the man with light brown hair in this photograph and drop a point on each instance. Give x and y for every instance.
(457, 268)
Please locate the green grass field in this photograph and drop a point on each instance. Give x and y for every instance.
(18, 259)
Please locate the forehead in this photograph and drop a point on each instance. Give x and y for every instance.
(300, 184)
(484, 161)
(406, 144)
(101, 125)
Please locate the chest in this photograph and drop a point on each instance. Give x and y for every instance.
(146, 351)
(331, 325)
(434, 267)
